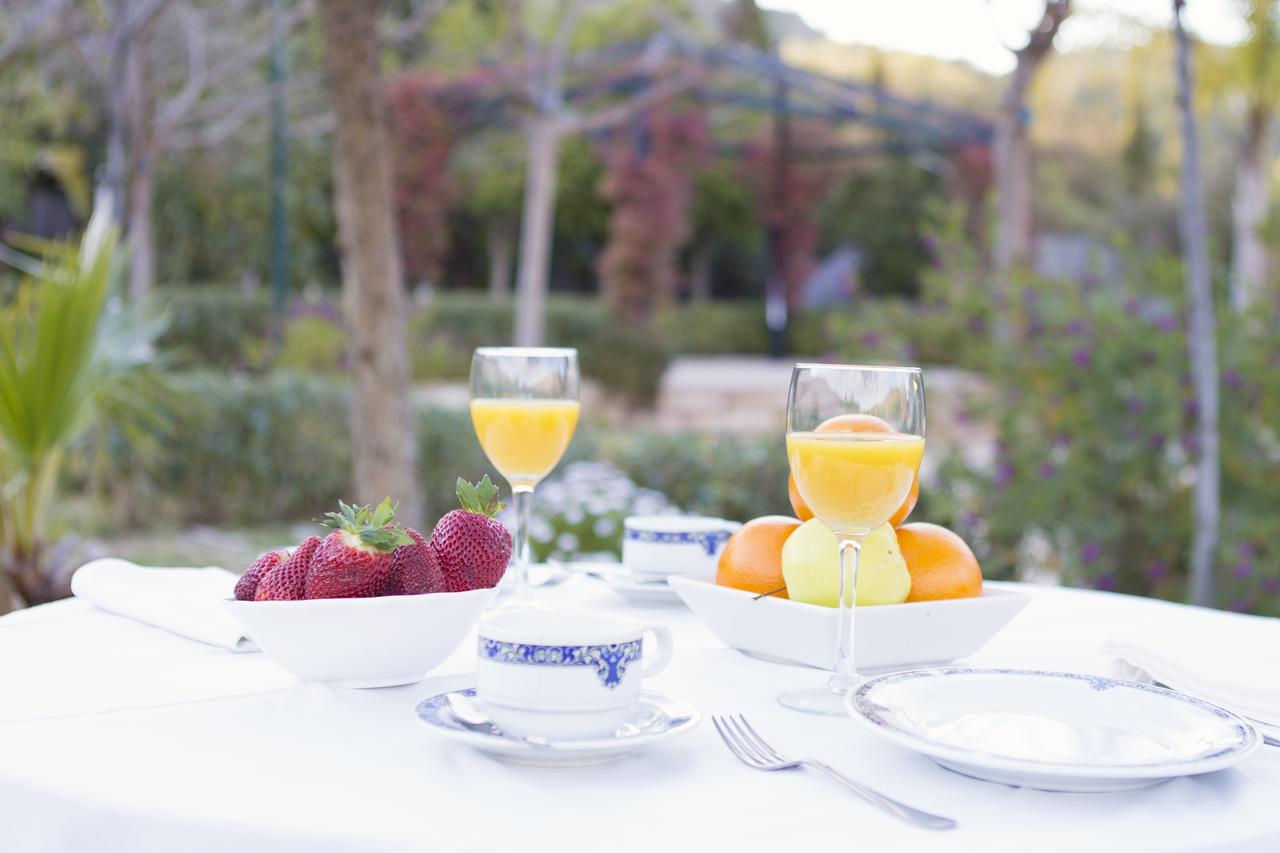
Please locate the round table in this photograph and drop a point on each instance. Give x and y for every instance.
(118, 736)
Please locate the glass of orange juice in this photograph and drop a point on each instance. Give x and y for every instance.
(524, 407)
(855, 437)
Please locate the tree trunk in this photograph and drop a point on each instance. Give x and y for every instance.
(138, 109)
(1013, 166)
(1013, 176)
(1202, 334)
(142, 253)
(1249, 267)
(499, 244)
(121, 45)
(373, 294)
(543, 139)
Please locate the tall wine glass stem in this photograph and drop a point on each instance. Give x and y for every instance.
(844, 677)
(522, 502)
(829, 699)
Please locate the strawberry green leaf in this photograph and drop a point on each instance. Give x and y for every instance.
(481, 498)
(385, 513)
(467, 495)
(385, 538)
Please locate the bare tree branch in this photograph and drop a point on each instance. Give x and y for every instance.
(141, 16)
(1039, 44)
(550, 98)
(636, 104)
(171, 112)
(233, 114)
(24, 34)
(257, 48)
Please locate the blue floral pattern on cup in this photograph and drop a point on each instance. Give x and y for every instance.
(609, 660)
(711, 540)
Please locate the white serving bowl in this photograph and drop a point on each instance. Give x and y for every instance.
(362, 642)
(657, 546)
(888, 636)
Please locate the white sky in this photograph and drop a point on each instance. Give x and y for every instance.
(977, 31)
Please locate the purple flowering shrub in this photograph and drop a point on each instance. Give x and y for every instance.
(1095, 413)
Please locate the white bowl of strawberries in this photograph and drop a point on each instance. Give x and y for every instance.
(373, 604)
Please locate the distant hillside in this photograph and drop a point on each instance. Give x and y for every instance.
(956, 84)
(1084, 99)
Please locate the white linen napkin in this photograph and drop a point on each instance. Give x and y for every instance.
(187, 602)
(1238, 669)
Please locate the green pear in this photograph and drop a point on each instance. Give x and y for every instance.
(811, 566)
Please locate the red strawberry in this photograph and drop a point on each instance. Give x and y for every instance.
(415, 568)
(474, 547)
(248, 583)
(354, 560)
(285, 582)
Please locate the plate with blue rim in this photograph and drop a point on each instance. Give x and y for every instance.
(656, 718)
(1053, 731)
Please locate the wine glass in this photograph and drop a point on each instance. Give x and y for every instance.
(855, 437)
(524, 407)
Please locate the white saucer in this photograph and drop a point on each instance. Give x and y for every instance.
(620, 579)
(1055, 731)
(657, 718)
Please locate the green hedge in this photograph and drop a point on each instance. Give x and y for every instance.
(624, 358)
(212, 326)
(220, 327)
(251, 450)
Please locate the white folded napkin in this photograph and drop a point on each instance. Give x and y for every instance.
(187, 602)
(1236, 666)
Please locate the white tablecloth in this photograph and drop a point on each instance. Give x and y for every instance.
(115, 736)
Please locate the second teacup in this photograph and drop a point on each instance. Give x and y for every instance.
(564, 673)
(656, 546)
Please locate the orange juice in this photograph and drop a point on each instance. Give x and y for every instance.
(854, 481)
(524, 439)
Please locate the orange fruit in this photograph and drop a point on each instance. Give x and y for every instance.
(752, 559)
(940, 563)
(798, 506)
(908, 504)
(853, 423)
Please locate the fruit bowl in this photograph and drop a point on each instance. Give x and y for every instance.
(888, 636)
(362, 642)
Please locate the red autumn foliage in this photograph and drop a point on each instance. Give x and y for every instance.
(650, 191)
(421, 136)
(791, 207)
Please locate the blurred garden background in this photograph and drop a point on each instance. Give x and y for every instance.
(247, 248)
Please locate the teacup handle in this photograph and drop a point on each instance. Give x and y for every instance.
(662, 652)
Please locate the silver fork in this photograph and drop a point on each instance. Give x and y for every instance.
(753, 751)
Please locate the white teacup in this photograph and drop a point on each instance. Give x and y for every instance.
(564, 673)
(656, 546)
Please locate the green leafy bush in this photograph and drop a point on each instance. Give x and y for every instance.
(736, 477)
(312, 344)
(252, 449)
(1096, 442)
(255, 449)
(224, 327)
(625, 359)
(212, 326)
(713, 328)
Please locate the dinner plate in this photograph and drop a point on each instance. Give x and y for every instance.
(657, 718)
(619, 579)
(888, 636)
(1055, 731)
